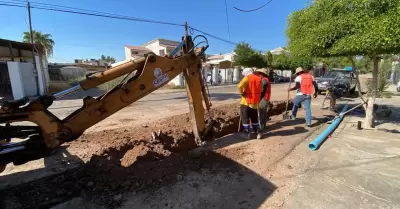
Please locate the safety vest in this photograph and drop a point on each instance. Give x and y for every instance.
(306, 85)
(267, 95)
(253, 91)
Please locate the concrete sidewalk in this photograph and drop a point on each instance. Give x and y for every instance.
(352, 169)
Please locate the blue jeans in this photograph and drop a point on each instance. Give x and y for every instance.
(306, 100)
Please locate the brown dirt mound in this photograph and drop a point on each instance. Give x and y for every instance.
(175, 135)
(128, 159)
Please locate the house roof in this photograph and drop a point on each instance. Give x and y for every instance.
(169, 46)
(17, 45)
(214, 57)
(160, 39)
(220, 56)
(137, 48)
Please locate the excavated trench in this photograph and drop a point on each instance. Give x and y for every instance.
(159, 140)
(122, 160)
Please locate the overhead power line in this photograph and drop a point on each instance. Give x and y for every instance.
(74, 10)
(57, 8)
(227, 19)
(213, 36)
(252, 10)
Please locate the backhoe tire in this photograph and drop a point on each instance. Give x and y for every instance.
(2, 168)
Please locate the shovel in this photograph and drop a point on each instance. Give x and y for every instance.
(285, 115)
(240, 127)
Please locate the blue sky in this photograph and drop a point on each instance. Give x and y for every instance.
(79, 36)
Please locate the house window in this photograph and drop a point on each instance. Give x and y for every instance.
(162, 52)
(134, 52)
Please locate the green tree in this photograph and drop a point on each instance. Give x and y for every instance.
(107, 58)
(291, 62)
(42, 39)
(248, 57)
(347, 28)
(335, 62)
(383, 78)
(269, 58)
(364, 64)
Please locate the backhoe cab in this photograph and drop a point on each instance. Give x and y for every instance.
(20, 144)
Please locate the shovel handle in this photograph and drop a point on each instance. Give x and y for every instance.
(288, 93)
(240, 122)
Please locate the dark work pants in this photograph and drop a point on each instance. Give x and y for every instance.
(263, 117)
(249, 114)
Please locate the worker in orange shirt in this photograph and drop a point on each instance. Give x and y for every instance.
(265, 97)
(306, 87)
(250, 88)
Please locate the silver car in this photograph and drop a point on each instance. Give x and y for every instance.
(342, 77)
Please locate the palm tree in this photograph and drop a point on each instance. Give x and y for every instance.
(42, 39)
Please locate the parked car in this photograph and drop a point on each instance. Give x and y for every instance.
(337, 77)
(279, 79)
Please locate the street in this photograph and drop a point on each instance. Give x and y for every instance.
(158, 105)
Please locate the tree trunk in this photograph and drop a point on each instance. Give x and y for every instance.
(353, 65)
(369, 116)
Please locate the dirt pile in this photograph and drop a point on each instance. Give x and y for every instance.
(128, 159)
(126, 146)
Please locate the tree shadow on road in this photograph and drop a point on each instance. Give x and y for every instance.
(293, 127)
(58, 162)
(12, 195)
(205, 179)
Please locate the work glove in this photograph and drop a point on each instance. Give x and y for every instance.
(263, 103)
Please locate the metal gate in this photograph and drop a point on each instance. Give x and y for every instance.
(5, 83)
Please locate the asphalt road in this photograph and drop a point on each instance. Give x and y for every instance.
(157, 105)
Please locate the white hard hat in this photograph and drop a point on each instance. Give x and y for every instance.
(247, 71)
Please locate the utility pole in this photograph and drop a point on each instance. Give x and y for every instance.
(35, 71)
(186, 29)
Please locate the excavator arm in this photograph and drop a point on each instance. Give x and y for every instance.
(142, 77)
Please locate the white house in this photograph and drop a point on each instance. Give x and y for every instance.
(135, 51)
(158, 46)
(219, 69)
(161, 47)
(18, 76)
(279, 50)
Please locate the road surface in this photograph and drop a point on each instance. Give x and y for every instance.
(158, 105)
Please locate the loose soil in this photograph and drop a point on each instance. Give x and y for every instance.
(129, 159)
(174, 135)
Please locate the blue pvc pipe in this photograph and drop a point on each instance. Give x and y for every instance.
(314, 145)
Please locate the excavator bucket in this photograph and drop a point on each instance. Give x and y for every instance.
(209, 130)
